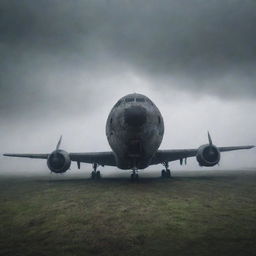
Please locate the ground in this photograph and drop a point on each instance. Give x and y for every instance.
(180, 216)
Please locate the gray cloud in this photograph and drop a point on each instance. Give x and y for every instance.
(207, 47)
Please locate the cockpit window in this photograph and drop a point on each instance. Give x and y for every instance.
(140, 99)
(129, 99)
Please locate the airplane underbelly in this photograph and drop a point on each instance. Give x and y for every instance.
(136, 151)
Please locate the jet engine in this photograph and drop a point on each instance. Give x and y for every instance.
(208, 155)
(59, 161)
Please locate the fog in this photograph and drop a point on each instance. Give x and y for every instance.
(65, 63)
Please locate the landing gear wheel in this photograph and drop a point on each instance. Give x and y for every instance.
(168, 173)
(134, 177)
(163, 174)
(98, 176)
(93, 175)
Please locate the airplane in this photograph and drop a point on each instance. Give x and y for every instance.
(134, 130)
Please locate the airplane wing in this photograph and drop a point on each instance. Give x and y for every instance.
(108, 158)
(101, 158)
(162, 156)
(38, 156)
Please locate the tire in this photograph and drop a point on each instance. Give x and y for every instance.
(93, 175)
(163, 174)
(168, 173)
(98, 176)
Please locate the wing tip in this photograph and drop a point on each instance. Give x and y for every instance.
(7, 154)
(248, 147)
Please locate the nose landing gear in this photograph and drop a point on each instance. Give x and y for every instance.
(95, 175)
(134, 175)
(166, 173)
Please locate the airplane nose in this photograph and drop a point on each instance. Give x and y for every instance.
(135, 116)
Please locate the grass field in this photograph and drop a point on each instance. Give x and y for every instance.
(181, 216)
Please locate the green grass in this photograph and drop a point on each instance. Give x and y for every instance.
(182, 216)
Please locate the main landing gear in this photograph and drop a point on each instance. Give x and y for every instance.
(134, 175)
(166, 173)
(95, 175)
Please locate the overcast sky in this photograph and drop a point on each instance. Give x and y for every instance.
(63, 64)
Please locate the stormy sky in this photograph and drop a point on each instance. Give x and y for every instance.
(63, 64)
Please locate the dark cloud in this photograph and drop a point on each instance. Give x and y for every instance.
(47, 47)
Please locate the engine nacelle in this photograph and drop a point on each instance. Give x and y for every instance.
(208, 155)
(59, 161)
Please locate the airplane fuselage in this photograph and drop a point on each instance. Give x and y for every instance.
(134, 130)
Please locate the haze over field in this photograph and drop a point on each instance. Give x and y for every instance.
(65, 63)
